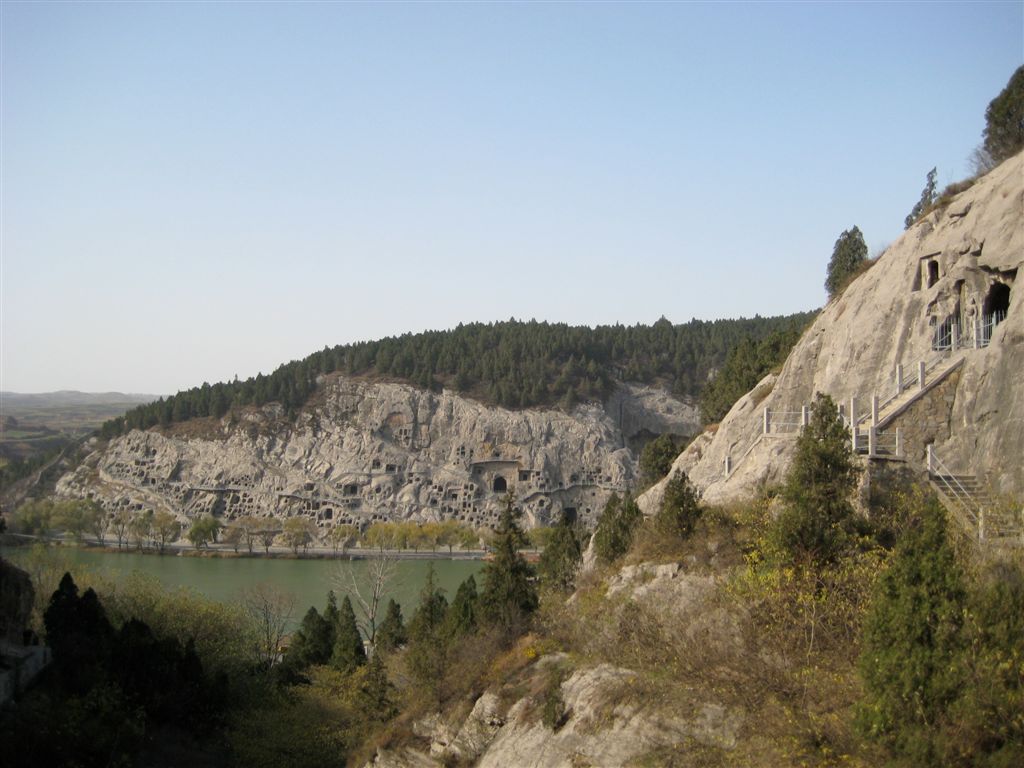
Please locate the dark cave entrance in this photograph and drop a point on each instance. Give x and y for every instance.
(500, 484)
(997, 302)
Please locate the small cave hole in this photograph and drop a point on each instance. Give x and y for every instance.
(933, 272)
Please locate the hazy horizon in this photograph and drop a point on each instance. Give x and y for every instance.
(191, 192)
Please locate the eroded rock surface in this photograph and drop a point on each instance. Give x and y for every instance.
(374, 451)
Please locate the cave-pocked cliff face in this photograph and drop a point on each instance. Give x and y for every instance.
(375, 451)
(946, 294)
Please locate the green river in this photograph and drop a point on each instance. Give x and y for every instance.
(223, 579)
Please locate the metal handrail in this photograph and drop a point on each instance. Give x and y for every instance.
(959, 493)
(929, 365)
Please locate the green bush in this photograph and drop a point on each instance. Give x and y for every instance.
(911, 640)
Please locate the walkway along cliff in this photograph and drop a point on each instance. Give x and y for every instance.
(925, 352)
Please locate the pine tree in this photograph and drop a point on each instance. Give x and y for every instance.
(462, 615)
(509, 596)
(912, 634)
(561, 557)
(616, 528)
(927, 200)
(313, 642)
(848, 254)
(349, 652)
(680, 509)
(377, 692)
(815, 523)
(391, 633)
(1004, 120)
(427, 653)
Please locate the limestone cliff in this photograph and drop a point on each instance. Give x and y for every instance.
(362, 451)
(945, 295)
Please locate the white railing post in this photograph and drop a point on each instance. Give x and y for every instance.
(899, 378)
(981, 524)
(767, 423)
(872, 441)
(920, 375)
(805, 416)
(953, 334)
(931, 458)
(728, 466)
(899, 443)
(874, 410)
(853, 423)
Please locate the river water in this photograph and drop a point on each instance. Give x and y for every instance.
(223, 579)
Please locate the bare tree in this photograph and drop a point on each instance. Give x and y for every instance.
(270, 611)
(120, 524)
(379, 579)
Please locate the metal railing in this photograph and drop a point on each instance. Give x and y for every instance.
(955, 332)
(918, 378)
(956, 493)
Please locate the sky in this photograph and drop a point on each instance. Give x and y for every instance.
(195, 191)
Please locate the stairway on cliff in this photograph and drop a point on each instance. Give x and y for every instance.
(967, 499)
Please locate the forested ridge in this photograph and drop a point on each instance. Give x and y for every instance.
(514, 364)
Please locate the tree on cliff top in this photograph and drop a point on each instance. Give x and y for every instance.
(849, 253)
(1004, 120)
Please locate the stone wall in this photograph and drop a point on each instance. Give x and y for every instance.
(927, 420)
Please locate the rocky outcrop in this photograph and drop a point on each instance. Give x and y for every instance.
(377, 451)
(959, 267)
(609, 718)
(16, 596)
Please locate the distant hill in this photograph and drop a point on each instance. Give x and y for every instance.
(37, 424)
(512, 364)
(10, 402)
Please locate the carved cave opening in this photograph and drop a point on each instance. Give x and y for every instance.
(500, 484)
(933, 272)
(997, 301)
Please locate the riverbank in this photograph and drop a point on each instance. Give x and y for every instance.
(226, 551)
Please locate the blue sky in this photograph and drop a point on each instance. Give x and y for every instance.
(196, 190)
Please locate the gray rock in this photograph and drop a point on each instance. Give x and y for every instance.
(950, 264)
(364, 452)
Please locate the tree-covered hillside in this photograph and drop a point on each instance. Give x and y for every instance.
(513, 364)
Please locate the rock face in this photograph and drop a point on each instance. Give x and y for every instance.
(363, 452)
(608, 717)
(950, 281)
(16, 595)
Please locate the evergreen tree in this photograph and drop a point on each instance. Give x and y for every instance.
(849, 253)
(616, 528)
(80, 636)
(814, 524)
(561, 557)
(911, 640)
(349, 652)
(927, 200)
(313, 642)
(377, 692)
(509, 596)
(657, 457)
(391, 633)
(462, 615)
(1004, 120)
(427, 653)
(680, 510)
